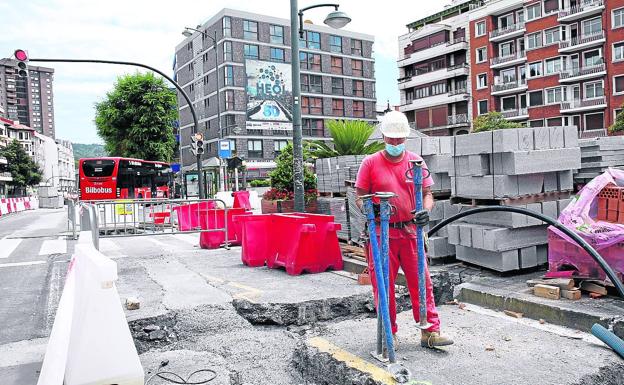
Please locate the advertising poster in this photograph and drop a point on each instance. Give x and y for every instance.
(269, 95)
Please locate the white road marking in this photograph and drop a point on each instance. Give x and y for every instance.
(160, 243)
(8, 246)
(15, 264)
(54, 246)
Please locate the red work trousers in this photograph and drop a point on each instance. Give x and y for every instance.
(403, 253)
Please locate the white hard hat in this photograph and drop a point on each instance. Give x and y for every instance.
(394, 124)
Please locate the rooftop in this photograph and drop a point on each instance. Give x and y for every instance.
(456, 8)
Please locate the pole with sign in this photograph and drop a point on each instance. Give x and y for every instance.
(225, 152)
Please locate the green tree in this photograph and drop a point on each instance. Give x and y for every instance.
(135, 119)
(350, 137)
(493, 120)
(618, 125)
(23, 169)
(282, 178)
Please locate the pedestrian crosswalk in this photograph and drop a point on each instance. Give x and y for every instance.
(7, 246)
(54, 246)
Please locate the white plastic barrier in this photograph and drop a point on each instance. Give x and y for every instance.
(4, 207)
(225, 196)
(254, 200)
(20, 204)
(90, 341)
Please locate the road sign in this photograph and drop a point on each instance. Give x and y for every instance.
(225, 151)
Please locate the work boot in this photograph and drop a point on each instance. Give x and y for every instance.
(395, 338)
(434, 339)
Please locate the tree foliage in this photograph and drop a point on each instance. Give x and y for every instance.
(23, 169)
(349, 138)
(618, 125)
(282, 178)
(491, 121)
(135, 119)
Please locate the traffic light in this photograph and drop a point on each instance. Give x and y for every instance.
(197, 143)
(22, 62)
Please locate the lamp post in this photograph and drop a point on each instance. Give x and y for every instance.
(335, 19)
(188, 31)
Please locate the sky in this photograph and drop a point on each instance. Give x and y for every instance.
(147, 32)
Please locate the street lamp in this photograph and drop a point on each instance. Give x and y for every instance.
(188, 31)
(335, 19)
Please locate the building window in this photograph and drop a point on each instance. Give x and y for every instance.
(553, 66)
(594, 90)
(311, 40)
(481, 81)
(313, 125)
(534, 11)
(311, 106)
(310, 61)
(508, 103)
(618, 84)
(356, 67)
(337, 86)
(250, 30)
(228, 75)
(254, 148)
(536, 123)
(422, 92)
(481, 54)
(592, 27)
(227, 51)
(592, 58)
(480, 29)
(229, 100)
(335, 43)
(279, 145)
(618, 18)
(482, 107)
(534, 40)
(251, 51)
(594, 121)
(336, 65)
(227, 26)
(311, 83)
(356, 47)
(618, 51)
(358, 88)
(358, 109)
(277, 34)
(438, 88)
(551, 36)
(536, 98)
(505, 49)
(277, 54)
(554, 95)
(337, 107)
(535, 69)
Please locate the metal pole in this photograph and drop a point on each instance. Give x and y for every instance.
(175, 84)
(296, 91)
(220, 132)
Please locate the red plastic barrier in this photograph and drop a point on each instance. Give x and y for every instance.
(311, 244)
(27, 203)
(188, 215)
(258, 241)
(215, 219)
(241, 199)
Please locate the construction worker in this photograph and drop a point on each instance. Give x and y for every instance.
(385, 171)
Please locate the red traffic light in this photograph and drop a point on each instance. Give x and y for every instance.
(21, 55)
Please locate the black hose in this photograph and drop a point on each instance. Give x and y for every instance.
(580, 241)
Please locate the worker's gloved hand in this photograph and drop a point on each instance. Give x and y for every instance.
(376, 209)
(421, 218)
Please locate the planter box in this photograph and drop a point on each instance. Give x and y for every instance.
(285, 206)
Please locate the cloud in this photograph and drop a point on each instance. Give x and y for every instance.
(148, 31)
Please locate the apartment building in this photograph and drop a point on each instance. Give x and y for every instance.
(255, 83)
(549, 62)
(434, 72)
(30, 99)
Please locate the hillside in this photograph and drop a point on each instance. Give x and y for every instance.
(88, 150)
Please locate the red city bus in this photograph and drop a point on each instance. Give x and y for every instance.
(123, 178)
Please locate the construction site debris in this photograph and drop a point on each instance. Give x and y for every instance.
(132, 303)
(546, 291)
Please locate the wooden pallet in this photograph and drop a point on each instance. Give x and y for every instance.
(327, 194)
(513, 201)
(353, 251)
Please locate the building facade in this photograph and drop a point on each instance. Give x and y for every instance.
(66, 165)
(434, 73)
(28, 100)
(255, 86)
(549, 62)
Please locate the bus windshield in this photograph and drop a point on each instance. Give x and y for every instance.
(98, 168)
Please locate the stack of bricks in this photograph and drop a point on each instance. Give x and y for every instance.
(440, 250)
(598, 154)
(436, 151)
(336, 206)
(515, 162)
(331, 173)
(611, 204)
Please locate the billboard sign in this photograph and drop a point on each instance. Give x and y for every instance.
(269, 95)
(224, 149)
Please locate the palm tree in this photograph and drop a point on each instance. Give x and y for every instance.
(350, 137)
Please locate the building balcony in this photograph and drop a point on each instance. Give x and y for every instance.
(5, 177)
(583, 73)
(509, 87)
(429, 53)
(432, 101)
(508, 32)
(581, 105)
(582, 42)
(585, 134)
(458, 120)
(433, 76)
(519, 114)
(504, 61)
(587, 8)
(3, 160)
(458, 91)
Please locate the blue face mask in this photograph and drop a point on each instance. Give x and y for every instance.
(395, 150)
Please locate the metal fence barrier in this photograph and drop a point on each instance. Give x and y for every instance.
(72, 217)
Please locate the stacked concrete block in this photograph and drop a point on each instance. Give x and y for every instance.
(514, 162)
(332, 173)
(357, 220)
(440, 247)
(598, 154)
(338, 208)
(436, 151)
